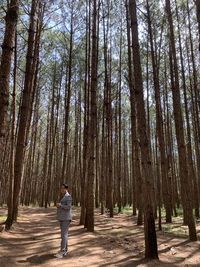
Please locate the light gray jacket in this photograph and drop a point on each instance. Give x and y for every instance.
(64, 211)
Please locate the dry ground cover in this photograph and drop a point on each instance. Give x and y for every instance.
(34, 240)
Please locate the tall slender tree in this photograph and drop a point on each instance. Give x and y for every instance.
(198, 17)
(89, 223)
(6, 60)
(136, 172)
(178, 117)
(159, 124)
(68, 89)
(26, 109)
(151, 250)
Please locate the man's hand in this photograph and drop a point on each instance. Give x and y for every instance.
(58, 205)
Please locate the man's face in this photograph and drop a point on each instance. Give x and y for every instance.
(63, 189)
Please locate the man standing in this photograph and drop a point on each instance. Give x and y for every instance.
(64, 216)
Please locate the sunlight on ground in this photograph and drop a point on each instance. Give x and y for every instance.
(116, 242)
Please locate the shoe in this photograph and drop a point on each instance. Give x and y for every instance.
(61, 254)
(65, 253)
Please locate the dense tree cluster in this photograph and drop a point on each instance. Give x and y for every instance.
(103, 95)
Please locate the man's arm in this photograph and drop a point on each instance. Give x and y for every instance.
(68, 204)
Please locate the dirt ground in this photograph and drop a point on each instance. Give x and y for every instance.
(116, 242)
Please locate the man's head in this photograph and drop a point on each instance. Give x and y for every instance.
(63, 188)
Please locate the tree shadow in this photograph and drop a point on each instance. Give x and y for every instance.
(38, 259)
(39, 231)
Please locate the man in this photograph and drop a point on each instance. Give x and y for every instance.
(64, 216)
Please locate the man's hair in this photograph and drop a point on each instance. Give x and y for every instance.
(65, 186)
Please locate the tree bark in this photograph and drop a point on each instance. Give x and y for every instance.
(89, 223)
(68, 98)
(6, 58)
(159, 125)
(10, 193)
(25, 112)
(183, 168)
(192, 173)
(151, 251)
(136, 172)
(198, 17)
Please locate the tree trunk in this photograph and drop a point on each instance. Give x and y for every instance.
(192, 173)
(198, 17)
(108, 116)
(136, 172)
(183, 168)
(10, 194)
(6, 58)
(25, 111)
(89, 223)
(151, 251)
(86, 116)
(67, 99)
(159, 126)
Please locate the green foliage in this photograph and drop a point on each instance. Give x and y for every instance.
(128, 210)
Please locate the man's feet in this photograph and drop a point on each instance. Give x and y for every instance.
(65, 253)
(61, 254)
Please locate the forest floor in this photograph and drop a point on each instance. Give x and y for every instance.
(117, 241)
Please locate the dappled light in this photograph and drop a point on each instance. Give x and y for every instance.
(99, 133)
(35, 239)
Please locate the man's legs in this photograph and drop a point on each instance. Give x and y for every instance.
(64, 227)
